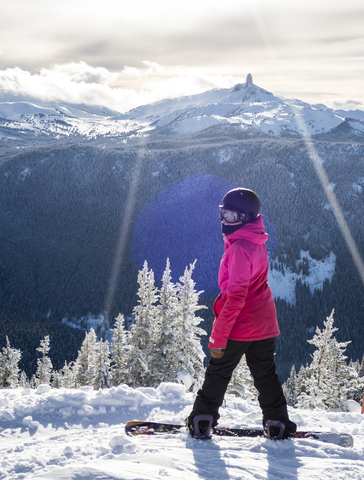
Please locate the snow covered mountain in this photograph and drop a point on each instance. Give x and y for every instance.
(66, 120)
(245, 106)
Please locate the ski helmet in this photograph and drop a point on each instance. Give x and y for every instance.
(242, 200)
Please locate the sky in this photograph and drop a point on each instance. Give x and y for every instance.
(124, 53)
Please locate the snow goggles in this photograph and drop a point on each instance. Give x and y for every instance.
(230, 216)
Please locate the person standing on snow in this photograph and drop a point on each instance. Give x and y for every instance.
(245, 320)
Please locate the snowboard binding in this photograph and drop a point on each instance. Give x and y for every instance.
(200, 426)
(275, 429)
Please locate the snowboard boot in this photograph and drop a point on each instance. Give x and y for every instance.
(277, 430)
(200, 426)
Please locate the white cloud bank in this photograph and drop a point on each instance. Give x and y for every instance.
(80, 83)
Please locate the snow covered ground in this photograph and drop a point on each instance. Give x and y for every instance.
(79, 434)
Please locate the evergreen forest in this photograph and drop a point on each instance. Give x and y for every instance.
(80, 217)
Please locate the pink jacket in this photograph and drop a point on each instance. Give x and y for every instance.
(245, 309)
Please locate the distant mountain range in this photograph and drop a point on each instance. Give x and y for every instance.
(245, 106)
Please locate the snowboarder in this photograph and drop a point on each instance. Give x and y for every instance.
(245, 319)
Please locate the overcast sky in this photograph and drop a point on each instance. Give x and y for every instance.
(123, 53)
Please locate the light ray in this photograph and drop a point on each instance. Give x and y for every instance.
(314, 156)
(125, 227)
(337, 211)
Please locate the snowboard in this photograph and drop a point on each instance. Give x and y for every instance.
(155, 428)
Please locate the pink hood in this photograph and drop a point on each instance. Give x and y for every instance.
(253, 232)
(245, 308)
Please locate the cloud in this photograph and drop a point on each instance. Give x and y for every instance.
(346, 104)
(153, 68)
(310, 50)
(80, 73)
(80, 83)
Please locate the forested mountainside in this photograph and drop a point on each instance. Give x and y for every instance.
(79, 217)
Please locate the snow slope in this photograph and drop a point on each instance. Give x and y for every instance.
(283, 285)
(65, 120)
(79, 434)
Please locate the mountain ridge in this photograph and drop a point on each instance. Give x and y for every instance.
(245, 106)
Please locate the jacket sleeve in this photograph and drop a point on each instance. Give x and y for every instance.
(239, 269)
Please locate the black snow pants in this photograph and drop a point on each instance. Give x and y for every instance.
(260, 359)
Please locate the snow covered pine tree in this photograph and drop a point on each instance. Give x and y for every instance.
(102, 365)
(85, 364)
(9, 370)
(44, 370)
(163, 362)
(119, 352)
(190, 364)
(328, 380)
(142, 333)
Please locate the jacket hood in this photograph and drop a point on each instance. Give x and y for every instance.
(253, 232)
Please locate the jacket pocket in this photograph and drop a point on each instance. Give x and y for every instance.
(218, 304)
